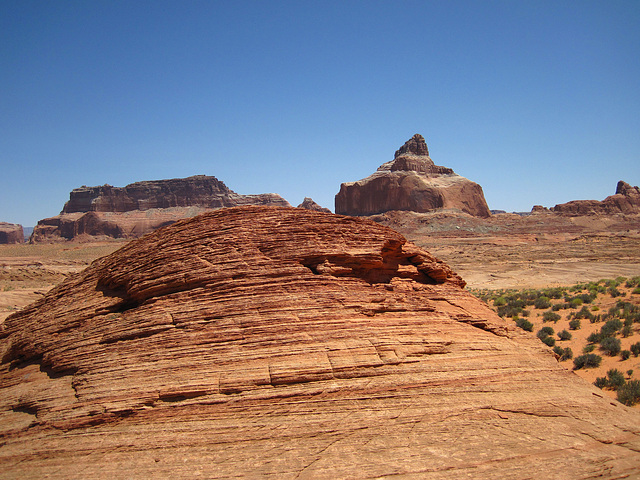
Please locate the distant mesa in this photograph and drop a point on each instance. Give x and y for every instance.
(139, 208)
(626, 201)
(309, 204)
(411, 182)
(11, 233)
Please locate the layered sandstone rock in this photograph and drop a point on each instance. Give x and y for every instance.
(413, 182)
(309, 204)
(11, 233)
(141, 207)
(626, 200)
(260, 342)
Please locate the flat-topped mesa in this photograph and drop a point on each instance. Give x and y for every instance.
(196, 191)
(413, 182)
(139, 208)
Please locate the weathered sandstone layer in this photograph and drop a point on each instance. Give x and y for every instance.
(626, 200)
(11, 233)
(272, 342)
(141, 207)
(413, 182)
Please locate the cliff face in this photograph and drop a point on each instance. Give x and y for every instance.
(141, 207)
(11, 233)
(626, 200)
(411, 182)
(286, 343)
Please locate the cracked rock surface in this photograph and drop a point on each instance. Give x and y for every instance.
(257, 342)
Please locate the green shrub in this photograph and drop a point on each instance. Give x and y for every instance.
(630, 372)
(595, 337)
(549, 341)
(611, 327)
(625, 354)
(545, 332)
(614, 292)
(601, 382)
(550, 317)
(542, 303)
(574, 324)
(615, 378)
(500, 301)
(589, 348)
(524, 324)
(636, 291)
(629, 393)
(584, 313)
(611, 346)
(565, 335)
(635, 349)
(589, 360)
(567, 354)
(575, 302)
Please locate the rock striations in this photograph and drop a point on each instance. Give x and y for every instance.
(138, 208)
(11, 233)
(626, 201)
(412, 182)
(286, 343)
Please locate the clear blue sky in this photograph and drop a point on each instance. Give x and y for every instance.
(537, 101)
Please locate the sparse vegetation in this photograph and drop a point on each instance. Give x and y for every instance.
(588, 360)
(613, 314)
(564, 335)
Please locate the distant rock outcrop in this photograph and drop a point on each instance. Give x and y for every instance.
(11, 233)
(413, 182)
(626, 200)
(309, 204)
(141, 207)
(262, 342)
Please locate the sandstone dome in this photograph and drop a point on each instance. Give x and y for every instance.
(256, 342)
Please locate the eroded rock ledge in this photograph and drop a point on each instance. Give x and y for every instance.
(282, 342)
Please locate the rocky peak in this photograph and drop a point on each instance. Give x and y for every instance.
(414, 146)
(309, 204)
(623, 188)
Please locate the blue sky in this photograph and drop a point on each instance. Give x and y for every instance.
(538, 102)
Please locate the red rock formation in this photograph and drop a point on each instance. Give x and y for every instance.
(626, 200)
(11, 233)
(141, 207)
(411, 182)
(309, 204)
(270, 342)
